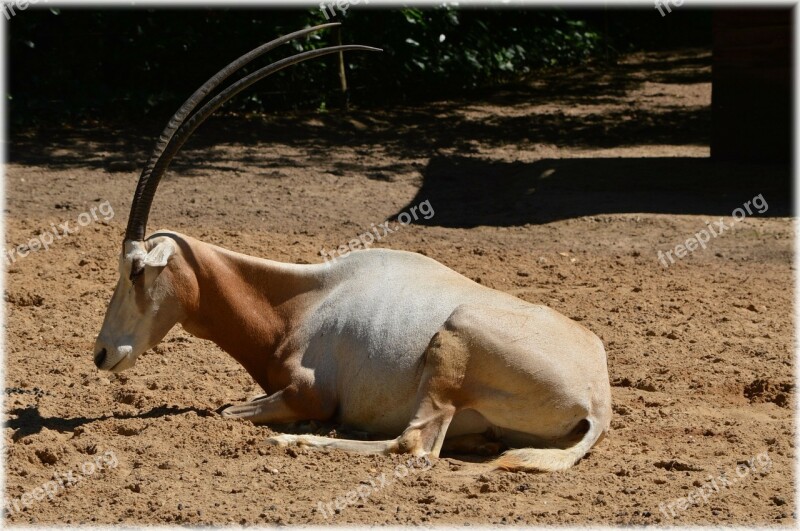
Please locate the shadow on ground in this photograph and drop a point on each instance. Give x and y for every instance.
(411, 131)
(30, 421)
(465, 188)
(468, 192)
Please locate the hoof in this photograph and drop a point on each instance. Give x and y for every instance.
(255, 410)
(221, 409)
(229, 411)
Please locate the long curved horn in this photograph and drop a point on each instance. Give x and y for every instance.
(178, 119)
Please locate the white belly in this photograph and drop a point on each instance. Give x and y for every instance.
(374, 328)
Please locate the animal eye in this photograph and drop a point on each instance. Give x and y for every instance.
(136, 272)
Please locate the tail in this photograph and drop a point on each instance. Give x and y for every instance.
(549, 459)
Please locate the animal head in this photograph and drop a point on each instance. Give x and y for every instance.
(146, 302)
(145, 305)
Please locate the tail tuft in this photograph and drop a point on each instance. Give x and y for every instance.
(548, 459)
(535, 460)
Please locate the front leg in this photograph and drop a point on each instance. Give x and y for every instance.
(275, 408)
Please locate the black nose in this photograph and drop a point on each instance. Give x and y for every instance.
(100, 357)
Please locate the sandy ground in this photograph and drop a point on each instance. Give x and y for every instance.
(561, 192)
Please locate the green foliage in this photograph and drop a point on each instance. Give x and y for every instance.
(71, 63)
(446, 49)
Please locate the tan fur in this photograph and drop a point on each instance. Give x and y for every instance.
(490, 362)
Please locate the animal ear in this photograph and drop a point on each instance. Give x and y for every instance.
(159, 255)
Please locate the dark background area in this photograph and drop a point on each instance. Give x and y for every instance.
(111, 77)
(72, 64)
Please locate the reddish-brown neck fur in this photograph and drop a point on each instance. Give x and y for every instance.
(245, 305)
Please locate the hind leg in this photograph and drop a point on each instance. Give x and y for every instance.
(437, 403)
(424, 436)
(438, 395)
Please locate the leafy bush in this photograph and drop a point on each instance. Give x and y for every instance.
(76, 63)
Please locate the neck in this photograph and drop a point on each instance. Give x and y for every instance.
(247, 306)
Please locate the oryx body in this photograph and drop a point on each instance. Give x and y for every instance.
(389, 342)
